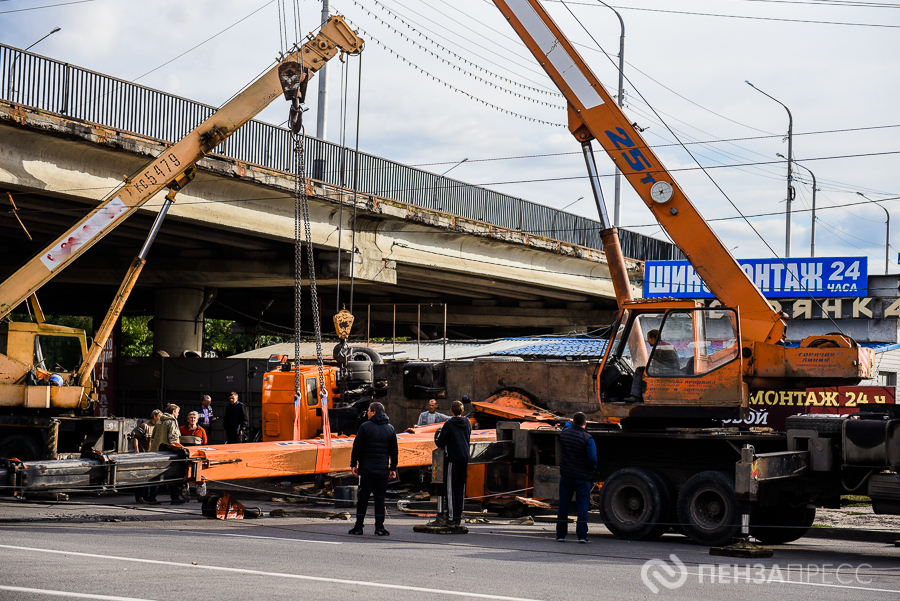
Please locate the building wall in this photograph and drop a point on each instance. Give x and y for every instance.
(886, 364)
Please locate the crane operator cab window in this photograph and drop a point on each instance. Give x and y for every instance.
(694, 343)
(628, 354)
(312, 392)
(676, 344)
(57, 353)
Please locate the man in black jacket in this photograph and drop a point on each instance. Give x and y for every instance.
(237, 419)
(374, 459)
(454, 437)
(577, 463)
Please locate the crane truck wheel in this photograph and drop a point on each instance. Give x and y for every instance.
(778, 525)
(21, 447)
(636, 504)
(707, 508)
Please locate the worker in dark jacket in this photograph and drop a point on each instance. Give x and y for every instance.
(577, 463)
(453, 437)
(374, 459)
(237, 420)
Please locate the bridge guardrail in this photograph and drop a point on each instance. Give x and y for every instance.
(58, 87)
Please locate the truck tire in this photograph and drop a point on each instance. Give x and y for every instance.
(636, 504)
(707, 508)
(779, 525)
(21, 447)
(356, 353)
(825, 425)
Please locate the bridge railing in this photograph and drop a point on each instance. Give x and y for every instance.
(77, 93)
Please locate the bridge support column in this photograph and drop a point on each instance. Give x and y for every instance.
(178, 321)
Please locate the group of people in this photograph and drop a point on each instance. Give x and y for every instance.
(375, 455)
(162, 431)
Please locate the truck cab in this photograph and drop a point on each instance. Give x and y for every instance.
(283, 417)
(48, 350)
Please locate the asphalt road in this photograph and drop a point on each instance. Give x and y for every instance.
(172, 553)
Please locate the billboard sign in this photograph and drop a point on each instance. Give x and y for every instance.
(770, 408)
(776, 278)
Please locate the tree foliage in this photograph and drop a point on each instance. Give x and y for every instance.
(137, 339)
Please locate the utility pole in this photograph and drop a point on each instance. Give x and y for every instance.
(790, 176)
(322, 112)
(887, 233)
(812, 234)
(621, 102)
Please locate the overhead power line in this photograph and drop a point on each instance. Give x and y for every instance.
(751, 18)
(461, 70)
(19, 10)
(451, 86)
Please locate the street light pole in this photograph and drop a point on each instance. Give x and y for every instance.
(621, 102)
(812, 234)
(12, 66)
(887, 233)
(322, 100)
(790, 160)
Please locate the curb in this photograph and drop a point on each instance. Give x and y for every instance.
(852, 534)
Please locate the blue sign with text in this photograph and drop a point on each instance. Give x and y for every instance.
(787, 278)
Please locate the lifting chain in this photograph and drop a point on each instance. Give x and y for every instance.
(301, 220)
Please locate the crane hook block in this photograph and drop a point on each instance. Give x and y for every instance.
(294, 78)
(343, 321)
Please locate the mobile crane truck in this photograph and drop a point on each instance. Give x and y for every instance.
(664, 459)
(46, 385)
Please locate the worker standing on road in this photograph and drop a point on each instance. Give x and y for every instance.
(141, 438)
(374, 459)
(577, 463)
(166, 433)
(192, 434)
(426, 418)
(237, 420)
(454, 437)
(205, 412)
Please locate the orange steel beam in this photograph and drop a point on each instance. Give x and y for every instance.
(593, 114)
(303, 457)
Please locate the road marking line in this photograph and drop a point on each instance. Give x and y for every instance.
(293, 540)
(40, 591)
(399, 587)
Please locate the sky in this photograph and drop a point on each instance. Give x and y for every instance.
(441, 81)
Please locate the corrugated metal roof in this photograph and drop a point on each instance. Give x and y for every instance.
(402, 350)
(560, 347)
(584, 348)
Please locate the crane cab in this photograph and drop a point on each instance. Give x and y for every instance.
(672, 359)
(53, 354)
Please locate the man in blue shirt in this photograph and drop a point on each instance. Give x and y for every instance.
(577, 464)
(426, 418)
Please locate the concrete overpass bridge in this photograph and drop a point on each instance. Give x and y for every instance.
(425, 246)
